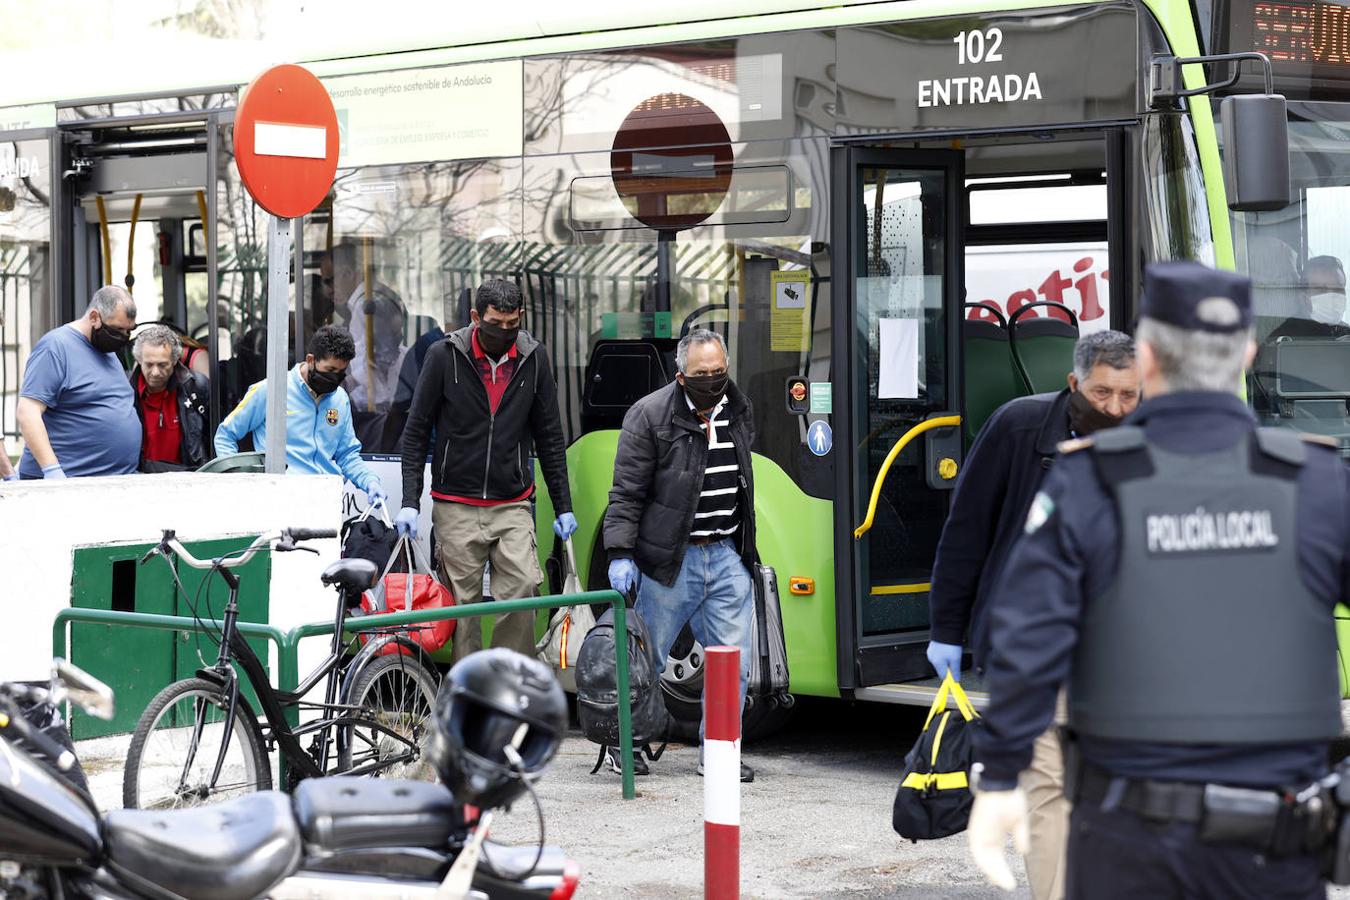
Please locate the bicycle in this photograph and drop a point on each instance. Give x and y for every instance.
(199, 740)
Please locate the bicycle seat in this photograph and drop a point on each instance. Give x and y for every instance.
(230, 851)
(353, 575)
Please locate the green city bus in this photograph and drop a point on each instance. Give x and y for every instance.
(761, 172)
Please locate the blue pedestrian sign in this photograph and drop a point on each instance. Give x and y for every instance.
(819, 438)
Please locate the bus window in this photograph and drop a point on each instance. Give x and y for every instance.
(1040, 238)
(418, 238)
(25, 269)
(593, 280)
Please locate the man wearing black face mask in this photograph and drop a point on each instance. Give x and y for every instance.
(320, 438)
(681, 520)
(488, 392)
(77, 411)
(1001, 475)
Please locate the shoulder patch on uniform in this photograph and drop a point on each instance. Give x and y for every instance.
(1321, 440)
(1074, 445)
(1282, 444)
(1042, 508)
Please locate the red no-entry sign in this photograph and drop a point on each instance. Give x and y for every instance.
(286, 141)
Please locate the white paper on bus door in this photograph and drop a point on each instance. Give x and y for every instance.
(898, 378)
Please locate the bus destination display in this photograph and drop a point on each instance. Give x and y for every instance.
(1308, 42)
(1302, 32)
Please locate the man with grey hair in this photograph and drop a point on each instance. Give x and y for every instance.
(1178, 574)
(1005, 468)
(172, 402)
(680, 528)
(76, 410)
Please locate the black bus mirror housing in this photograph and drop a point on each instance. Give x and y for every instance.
(1255, 136)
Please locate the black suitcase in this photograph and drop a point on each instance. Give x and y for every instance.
(768, 653)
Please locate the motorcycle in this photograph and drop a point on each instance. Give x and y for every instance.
(335, 837)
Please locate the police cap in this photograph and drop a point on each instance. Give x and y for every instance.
(1195, 297)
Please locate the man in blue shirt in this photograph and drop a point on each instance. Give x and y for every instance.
(77, 411)
(320, 439)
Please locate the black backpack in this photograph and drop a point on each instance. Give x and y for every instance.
(366, 537)
(598, 693)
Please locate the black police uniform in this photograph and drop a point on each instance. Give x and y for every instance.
(1180, 576)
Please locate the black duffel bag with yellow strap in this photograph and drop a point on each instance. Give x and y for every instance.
(934, 797)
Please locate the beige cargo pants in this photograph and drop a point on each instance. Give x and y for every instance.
(468, 537)
(1047, 812)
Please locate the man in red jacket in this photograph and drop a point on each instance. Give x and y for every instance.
(488, 392)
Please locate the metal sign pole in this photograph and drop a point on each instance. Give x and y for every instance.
(278, 339)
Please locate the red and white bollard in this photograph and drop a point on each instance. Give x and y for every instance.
(722, 773)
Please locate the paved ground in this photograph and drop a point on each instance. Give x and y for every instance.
(816, 822)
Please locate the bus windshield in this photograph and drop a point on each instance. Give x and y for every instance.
(1296, 258)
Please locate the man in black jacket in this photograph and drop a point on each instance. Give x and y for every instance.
(1005, 468)
(487, 391)
(171, 401)
(681, 520)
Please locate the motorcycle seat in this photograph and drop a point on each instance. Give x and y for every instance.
(230, 851)
(354, 575)
(352, 813)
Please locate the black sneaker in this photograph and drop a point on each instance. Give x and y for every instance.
(747, 773)
(616, 762)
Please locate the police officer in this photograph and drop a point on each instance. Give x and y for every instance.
(1179, 573)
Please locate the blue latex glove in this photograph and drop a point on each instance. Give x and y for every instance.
(406, 522)
(944, 657)
(53, 472)
(375, 491)
(565, 525)
(623, 575)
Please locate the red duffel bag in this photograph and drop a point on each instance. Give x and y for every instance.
(418, 588)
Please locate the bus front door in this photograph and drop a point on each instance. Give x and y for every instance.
(899, 216)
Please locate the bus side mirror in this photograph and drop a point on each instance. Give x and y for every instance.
(1255, 152)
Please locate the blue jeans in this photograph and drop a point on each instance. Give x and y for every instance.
(713, 587)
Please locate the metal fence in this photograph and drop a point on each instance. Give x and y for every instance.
(287, 642)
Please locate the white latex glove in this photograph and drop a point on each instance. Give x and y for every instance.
(995, 816)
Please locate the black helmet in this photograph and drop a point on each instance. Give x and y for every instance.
(484, 701)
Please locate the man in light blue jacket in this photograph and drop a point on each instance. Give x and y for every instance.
(320, 438)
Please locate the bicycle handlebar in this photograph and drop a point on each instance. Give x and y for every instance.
(286, 538)
(310, 534)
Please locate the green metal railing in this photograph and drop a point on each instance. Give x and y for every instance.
(287, 642)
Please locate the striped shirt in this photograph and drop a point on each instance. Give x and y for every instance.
(718, 514)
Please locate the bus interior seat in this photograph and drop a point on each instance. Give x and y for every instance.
(991, 379)
(1045, 347)
(618, 374)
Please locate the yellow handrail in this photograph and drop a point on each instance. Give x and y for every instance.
(107, 241)
(926, 425)
(130, 280)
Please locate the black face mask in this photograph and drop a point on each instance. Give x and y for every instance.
(325, 382)
(494, 339)
(1084, 418)
(109, 338)
(705, 390)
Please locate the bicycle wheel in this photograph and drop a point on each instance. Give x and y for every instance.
(398, 693)
(177, 742)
